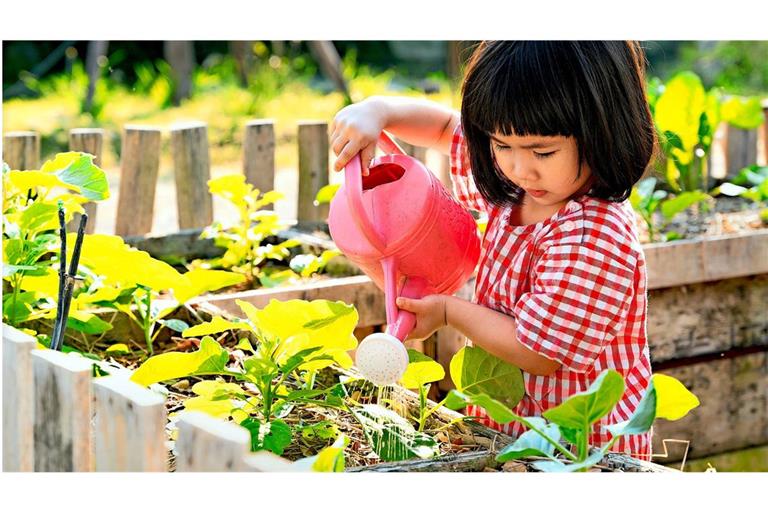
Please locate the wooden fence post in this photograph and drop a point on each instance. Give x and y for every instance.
(259, 155)
(138, 179)
(18, 397)
(62, 412)
(86, 140)
(129, 426)
(763, 148)
(192, 170)
(21, 150)
(206, 443)
(741, 149)
(313, 171)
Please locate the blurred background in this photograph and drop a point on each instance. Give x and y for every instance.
(52, 87)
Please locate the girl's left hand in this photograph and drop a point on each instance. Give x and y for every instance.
(430, 314)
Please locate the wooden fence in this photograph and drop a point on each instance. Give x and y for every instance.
(733, 149)
(140, 164)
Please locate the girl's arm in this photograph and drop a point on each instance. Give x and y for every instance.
(496, 333)
(493, 331)
(356, 128)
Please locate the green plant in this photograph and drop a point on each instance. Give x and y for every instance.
(571, 422)
(646, 201)
(30, 221)
(686, 117)
(242, 241)
(295, 339)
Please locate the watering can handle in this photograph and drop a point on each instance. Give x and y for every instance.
(353, 180)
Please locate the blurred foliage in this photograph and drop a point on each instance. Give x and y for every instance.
(284, 84)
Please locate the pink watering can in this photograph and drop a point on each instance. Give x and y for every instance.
(410, 236)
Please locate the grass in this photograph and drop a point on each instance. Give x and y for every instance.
(283, 94)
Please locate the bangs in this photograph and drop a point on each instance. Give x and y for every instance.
(530, 90)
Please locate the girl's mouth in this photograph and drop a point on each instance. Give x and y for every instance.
(536, 193)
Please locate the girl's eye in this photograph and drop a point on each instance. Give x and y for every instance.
(499, 147)
(543, 155)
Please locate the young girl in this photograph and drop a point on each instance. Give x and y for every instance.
(551, 138)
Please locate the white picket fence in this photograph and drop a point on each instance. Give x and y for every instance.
(57, 417)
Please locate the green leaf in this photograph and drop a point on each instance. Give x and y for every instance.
(641, 420)
(581, 410)
(273, 435)
(87, 323)
(683, 201)
(211, 358)
(421, 370)
(77, 169)
(531, 443)
(175, 324)
(673, 400)
(200, 281)
(552, 466)
(391, 437)
(474, 371)
(40, 217)
(678, 110)
(728, 189)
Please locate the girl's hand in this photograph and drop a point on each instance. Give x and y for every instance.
(430, 314)
(356, 129)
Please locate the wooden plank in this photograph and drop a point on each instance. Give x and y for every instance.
(62, 412)
(741, 150)
(734, 407)
(259, 155)
(313, 171)
(674, 264)
(720, 253)
(268, 462)
(129, 426)
(18, 400)
(86, 140)
(192, 170)
(21, 150)
(695, 261)
(206, 443)
(707, 318)
(140, 162)
(356, 290)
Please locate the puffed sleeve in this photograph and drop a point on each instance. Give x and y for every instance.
(578, 298)
(464, 188)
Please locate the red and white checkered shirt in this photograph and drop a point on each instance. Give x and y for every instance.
(576, 286)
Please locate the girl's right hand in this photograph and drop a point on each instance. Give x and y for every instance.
(356, 129)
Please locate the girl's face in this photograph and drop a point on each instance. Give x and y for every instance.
(545, 167)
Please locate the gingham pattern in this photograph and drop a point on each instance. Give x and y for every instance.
(576, 286)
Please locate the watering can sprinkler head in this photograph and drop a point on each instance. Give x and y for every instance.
(381, 358)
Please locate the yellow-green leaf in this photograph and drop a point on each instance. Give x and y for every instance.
(231, 187)
(47, 285)
(211, 358)
(679, 110)
(421, 370)
(199, 281)
(673, 400)
(209, 388)
(216, 325)
(222, 408)
(118, 348)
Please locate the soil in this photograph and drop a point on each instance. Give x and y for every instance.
(725, 216)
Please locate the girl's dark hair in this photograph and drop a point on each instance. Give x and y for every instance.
(593, 91)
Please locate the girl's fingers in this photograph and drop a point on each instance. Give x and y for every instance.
(337, 144)
(350, 150)
(366, 155)
(406, 304)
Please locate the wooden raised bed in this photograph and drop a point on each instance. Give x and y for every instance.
(707, 326)
(57, 417)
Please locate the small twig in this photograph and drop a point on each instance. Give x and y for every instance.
(63, 307)
(62, 276)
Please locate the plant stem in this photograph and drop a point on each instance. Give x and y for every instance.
(16, 287)
(422, 407)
